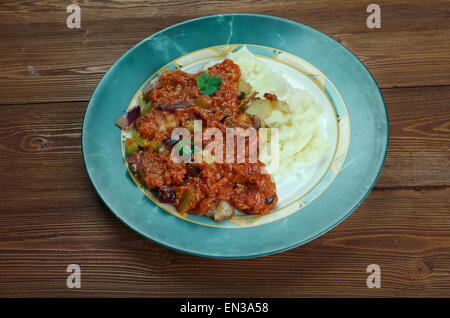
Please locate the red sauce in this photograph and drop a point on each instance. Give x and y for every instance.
(271, 97)
(177, 103)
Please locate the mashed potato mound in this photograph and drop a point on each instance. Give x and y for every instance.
(301, 139)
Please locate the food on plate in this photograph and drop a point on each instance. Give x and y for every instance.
(239, 93)
(209, 188)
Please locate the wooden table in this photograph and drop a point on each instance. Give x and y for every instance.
(50, 215)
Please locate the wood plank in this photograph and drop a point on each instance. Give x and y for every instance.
(43, 60)
(41, 145)
(404, 58)
(326, 15)
(403, 231)
(419, 143)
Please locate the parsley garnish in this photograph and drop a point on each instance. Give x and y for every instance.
(208, 85)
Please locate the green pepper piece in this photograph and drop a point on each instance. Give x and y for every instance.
(242, 108)
(202, 103)
(147, 107)
(131, 146)
(186, 202)
(190, 126)
(155, 145)
(141, 141)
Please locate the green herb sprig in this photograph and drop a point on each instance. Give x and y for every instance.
(208, 85)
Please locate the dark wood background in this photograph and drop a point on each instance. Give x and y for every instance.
(50, 215)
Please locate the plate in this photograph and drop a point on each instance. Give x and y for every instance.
(355, 123)
(304, 183)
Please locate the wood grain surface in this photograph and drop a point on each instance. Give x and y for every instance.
(50, 215)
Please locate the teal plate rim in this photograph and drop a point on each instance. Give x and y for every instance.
(157, 225)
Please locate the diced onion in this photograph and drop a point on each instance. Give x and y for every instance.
(122, 121)
(128, 119)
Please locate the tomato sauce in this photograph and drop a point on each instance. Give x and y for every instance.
(196, 188)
